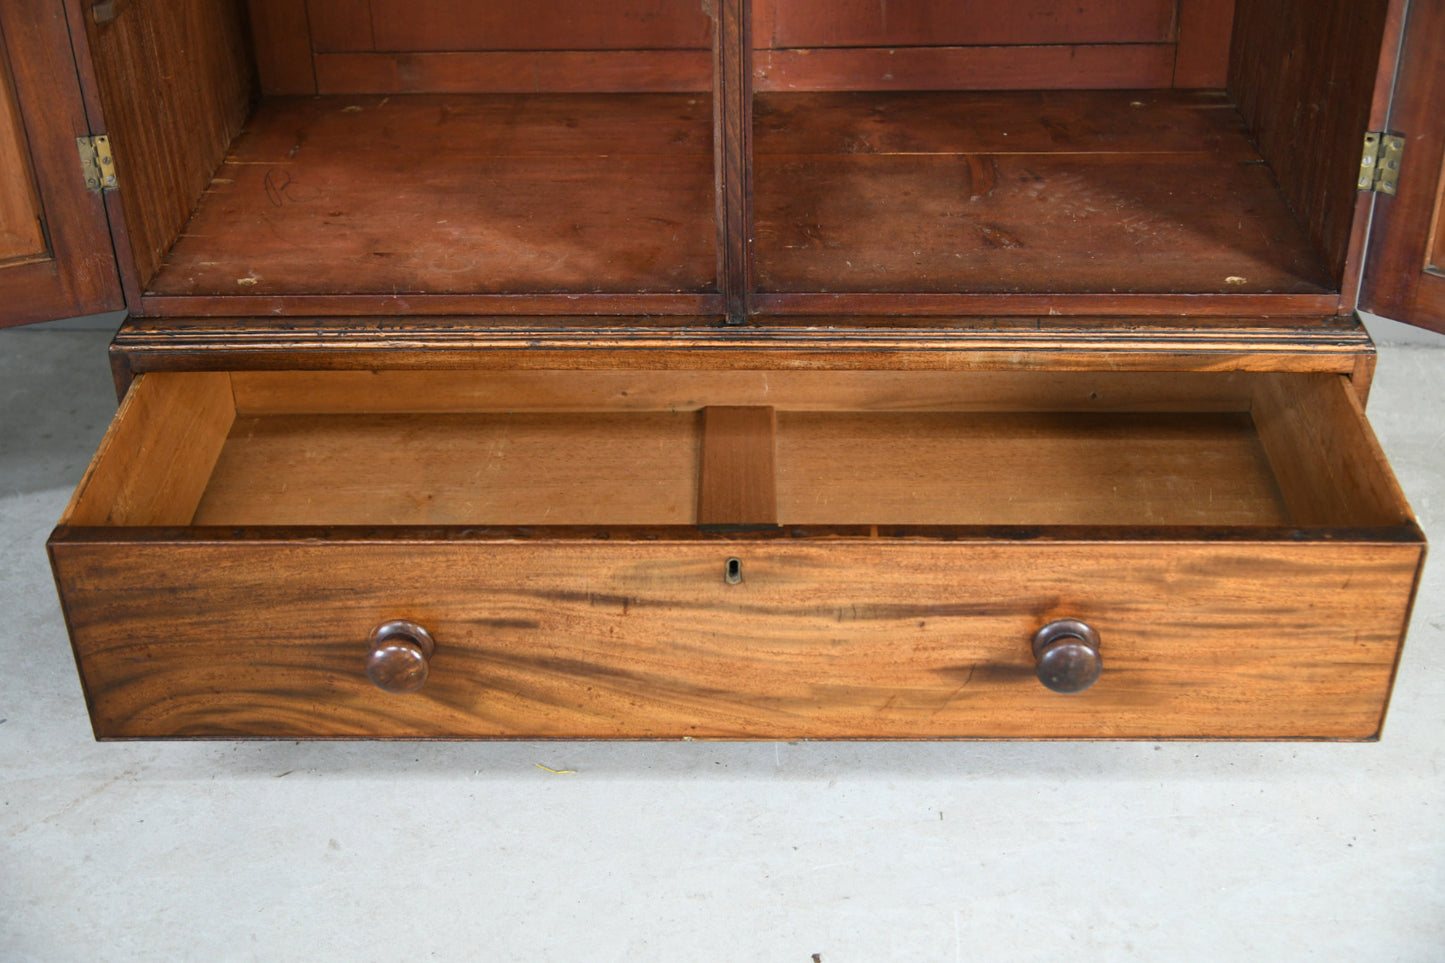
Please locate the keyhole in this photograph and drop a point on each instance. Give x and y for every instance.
(734, 571)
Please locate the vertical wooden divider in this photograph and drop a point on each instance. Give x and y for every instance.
(732, 147)
(737, 474)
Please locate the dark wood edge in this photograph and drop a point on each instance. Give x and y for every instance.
(125, 261)
(400, 305)
(1353, 280)
(732, 135)
(928, 305)
(1405, 533)
(810, 333)
(1329, 344)
(1404, 633)
(71, 636)
(1335, 345)
(759, 304)
(1400, 229)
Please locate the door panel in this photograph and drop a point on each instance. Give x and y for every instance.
(21, 237)
(56, 259)
(1405, 270)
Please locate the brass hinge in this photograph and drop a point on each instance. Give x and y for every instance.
(1380, 164)
(97, 164)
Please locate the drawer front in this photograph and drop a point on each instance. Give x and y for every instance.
(846, 638)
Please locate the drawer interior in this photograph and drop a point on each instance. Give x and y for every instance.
(738, 449)
(508, 158)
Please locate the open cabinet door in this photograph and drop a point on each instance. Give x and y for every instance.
(56, 258)
(1405, 270)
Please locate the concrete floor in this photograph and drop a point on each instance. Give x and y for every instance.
(682, 852)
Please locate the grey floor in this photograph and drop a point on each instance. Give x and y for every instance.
(682, 852)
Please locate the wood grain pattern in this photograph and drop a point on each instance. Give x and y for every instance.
(953, 304)
(931, 468)
(540, 25)
(454, 193)
(156, 458)
(849, 638)
(497, 468)
(737, 469)
(733, 135)
(341, 24)
(763, 22)
(1406, 236)
(169, 136)
(1330, 467)
(1056, 66)
(1204, 33)
(281, 41)
(905, 23)
(625, 448)
(827, 343)
(1303, 74)
(705, 305)
(1023, 122)
(735, 393)
(1044, 194)
(76, 273)
(20, 227)
(516, 71)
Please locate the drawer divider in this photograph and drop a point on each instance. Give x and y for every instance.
(737, 469)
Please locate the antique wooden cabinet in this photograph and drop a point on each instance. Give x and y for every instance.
(729, 369)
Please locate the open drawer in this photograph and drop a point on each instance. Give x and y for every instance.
(737, 554)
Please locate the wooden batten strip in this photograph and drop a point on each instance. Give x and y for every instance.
(829, 23)
(737, 474)
(461, 391)
(515, 71)
(1061, 66)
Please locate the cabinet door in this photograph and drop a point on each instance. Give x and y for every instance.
(56, 258)
(1405, 270)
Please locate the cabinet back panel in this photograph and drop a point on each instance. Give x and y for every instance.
(510, 46)
(912, 23)
(175, 81)
(943, 45)
(440, 25)
(391, 46)
(341, 24)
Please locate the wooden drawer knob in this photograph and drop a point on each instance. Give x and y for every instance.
(400, 656)
(1067, 652)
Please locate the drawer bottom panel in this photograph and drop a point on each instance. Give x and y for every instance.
(847, 638)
